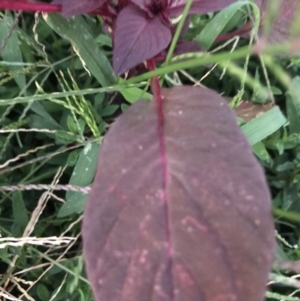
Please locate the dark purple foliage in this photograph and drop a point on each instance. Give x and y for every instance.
(137, 40)
(149, 30)
(142, 29)
(179, 209)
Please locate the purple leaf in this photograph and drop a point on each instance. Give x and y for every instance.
(141, 4)
(179, 209)
(78, 7)
(198, 6)
(137, 40)
(153, 7)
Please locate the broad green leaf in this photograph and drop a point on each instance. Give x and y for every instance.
(82, 175)
(43, 292)
(294, 92)
(261, 152)
(40, 122)
(71, 124)
(293, 106)
(76, 31)
(293, 116)
(19, 210)
(104, 40)
(133, 94)
(39, 109)
(109, 110)
(73, 157)
(124, 107)
(263, 126)
(11, 52)
(63, 137)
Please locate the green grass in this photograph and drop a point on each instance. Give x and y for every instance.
(58, 95)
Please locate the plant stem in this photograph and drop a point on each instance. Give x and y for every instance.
(49, 8)
(245, 29)
(29, 6)
(178, 31)
(155, 86)
(215, 58)
(156, 90)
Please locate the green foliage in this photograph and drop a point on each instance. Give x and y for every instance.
(58, 97)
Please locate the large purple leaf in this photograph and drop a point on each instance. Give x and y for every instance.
(78, 7)
(179, 209)
(198, 6)
(137, 38)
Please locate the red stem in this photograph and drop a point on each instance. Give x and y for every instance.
(155, 86)
(30, 7)
(156, 89)
(245, 29)
(47, 8)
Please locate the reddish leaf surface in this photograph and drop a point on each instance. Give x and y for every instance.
(30, 6)
(281, 28)
(137, 40)
(71, 7)
(178, 211)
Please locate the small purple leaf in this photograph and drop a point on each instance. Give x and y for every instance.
(179, 209)
(78, 7)
(137, 40)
